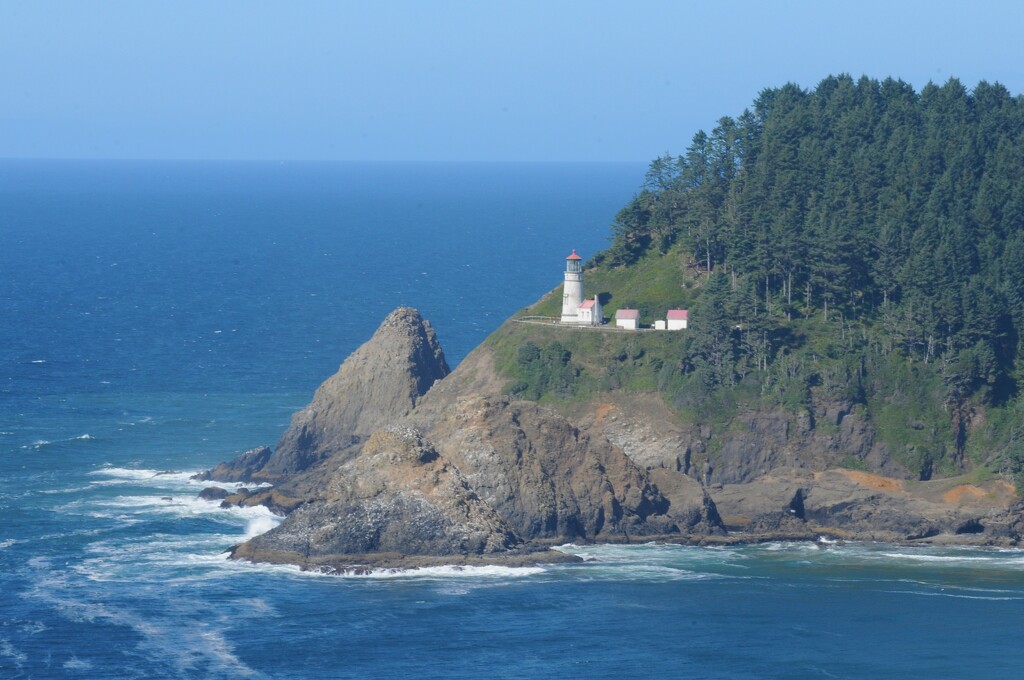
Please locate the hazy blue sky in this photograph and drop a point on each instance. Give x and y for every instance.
(477, 80)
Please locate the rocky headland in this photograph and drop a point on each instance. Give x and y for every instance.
(397, 463)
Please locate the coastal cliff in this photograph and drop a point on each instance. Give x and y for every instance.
(382, 470)
(428, 468)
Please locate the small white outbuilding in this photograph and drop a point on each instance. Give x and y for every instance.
(628, 319)
(676, 319)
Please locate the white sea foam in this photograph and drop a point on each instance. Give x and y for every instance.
(163, 504)
(652, 553)
(642, 572)
(201, 557)
(258, 519)
(73, 489)
(9, 651)
(165, 559)
(924, 557)
(229, 486)
(450, 572)
(996, 560)
(953, 594)
(184, 644)
(7, 543)
(141, 421)
(39, 361)
(261, 525)
(76, 664)
(41, 443)
(164, 479)
(33, 627)
(469, 575)
(161, 478)
(650, 562)
(136, 473)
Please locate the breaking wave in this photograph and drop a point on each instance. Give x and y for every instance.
(449, 572)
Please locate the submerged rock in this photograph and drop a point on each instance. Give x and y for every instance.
(214, 493)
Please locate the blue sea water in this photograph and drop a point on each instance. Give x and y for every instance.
(157, 318)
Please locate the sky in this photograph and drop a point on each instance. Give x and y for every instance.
(485, 80)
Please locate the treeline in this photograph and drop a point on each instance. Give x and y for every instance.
(894, 217)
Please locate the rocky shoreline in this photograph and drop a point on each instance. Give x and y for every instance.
(358, 564)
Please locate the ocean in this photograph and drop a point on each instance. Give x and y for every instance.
(157, 318)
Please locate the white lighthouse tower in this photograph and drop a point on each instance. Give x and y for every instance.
(572, 291)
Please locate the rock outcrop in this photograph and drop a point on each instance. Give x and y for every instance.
(548, 479)
(398, 499)
(246, 468)
(861, 505)
(377, 384)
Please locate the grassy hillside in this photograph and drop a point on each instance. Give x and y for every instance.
(564, 365)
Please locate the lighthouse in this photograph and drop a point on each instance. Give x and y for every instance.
(572, 291)
(575, 309)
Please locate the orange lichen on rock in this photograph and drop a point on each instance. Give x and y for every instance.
(957, 493)
(876, 482)
(995, 493)
(602, 410)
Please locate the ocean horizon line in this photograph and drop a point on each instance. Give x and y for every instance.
(316, 161)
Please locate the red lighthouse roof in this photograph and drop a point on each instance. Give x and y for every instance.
(574, 256)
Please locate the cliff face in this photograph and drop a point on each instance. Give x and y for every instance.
(756, 443)
(546, 477)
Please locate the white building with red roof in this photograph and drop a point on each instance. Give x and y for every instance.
(589, 313)
(676, 319)
(628, 319)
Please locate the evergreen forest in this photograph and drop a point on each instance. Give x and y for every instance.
(858, 240)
